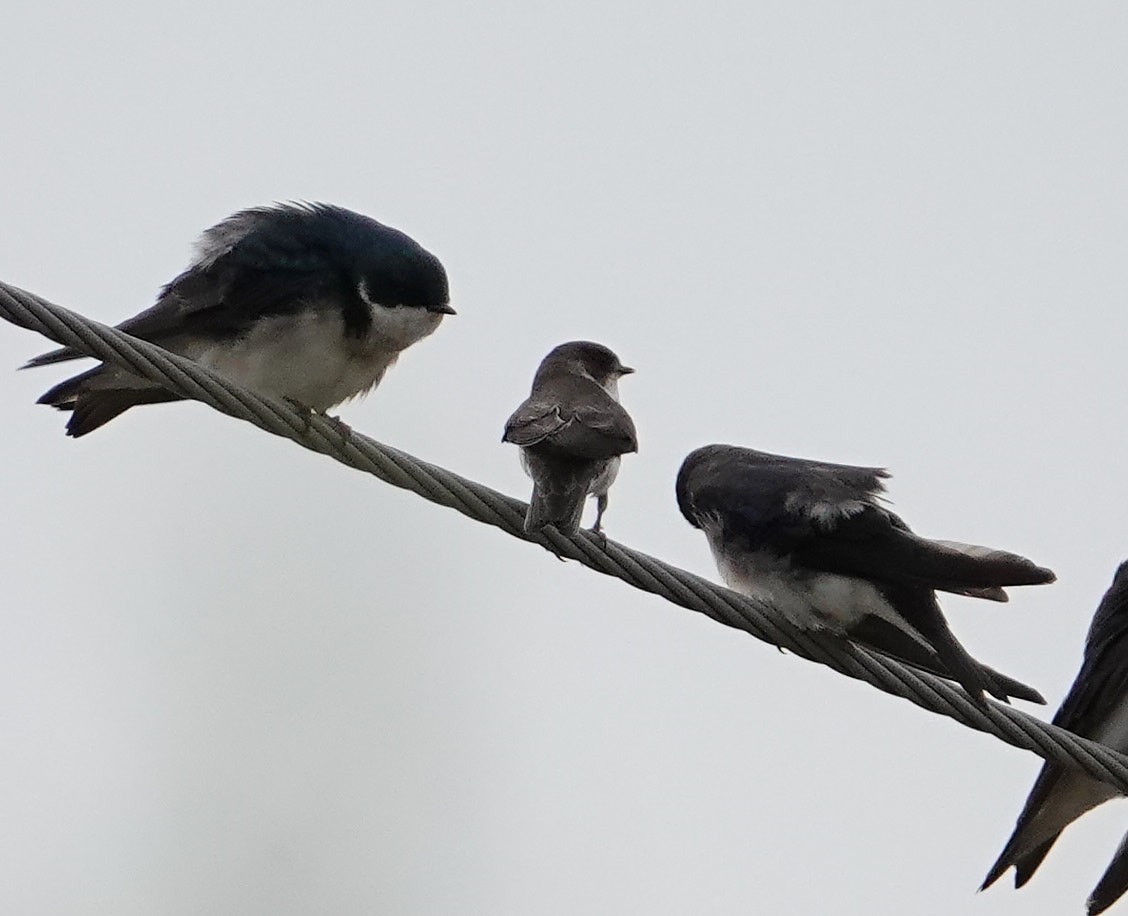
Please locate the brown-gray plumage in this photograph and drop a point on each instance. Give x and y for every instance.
(1096, 707)
(810, 538)
(571, 431)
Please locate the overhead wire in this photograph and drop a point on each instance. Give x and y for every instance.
(330, 437)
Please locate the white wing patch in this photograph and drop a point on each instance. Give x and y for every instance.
(824, 512)
(215, 242)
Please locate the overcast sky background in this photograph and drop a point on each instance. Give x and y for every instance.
(238, 677)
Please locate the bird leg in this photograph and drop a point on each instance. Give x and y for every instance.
(343, 429)
(600, 508)
(308, 413)
(304, 410)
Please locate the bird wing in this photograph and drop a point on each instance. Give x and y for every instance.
(771, 500)
(1113, 883)
(828, 518)
(533, 422)
(601, 430)
(256, 274)
(1102, 681)
(587, 424)
(825, 518)
(875, 544)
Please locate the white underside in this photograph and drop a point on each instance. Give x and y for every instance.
(308, 358)
(809, 600)
(1076, 793)
(602, 483)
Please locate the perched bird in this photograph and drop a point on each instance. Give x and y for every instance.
(811, 539)
(571, 431)
(308, 302)
(1096, 707)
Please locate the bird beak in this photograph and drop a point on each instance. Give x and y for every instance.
(444, 309)
(625, 370)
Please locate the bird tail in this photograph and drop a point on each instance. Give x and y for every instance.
(959, 664)
(1113, 883)
(896, 643)
(1057, 799)
(559, 506)
(94, 403)
(940, 653)
(1025, 864)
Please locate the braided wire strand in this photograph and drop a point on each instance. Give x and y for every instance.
(438, 485)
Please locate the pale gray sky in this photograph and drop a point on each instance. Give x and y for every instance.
(236, 677)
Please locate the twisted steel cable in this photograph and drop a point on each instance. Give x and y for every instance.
(329, 437)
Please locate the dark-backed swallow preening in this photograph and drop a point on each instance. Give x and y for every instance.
(1096, 707)
(571, 431)
(811, 539)
(308, 302)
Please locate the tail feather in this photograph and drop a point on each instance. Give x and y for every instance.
(53, 356)
(919, 607)
(1056, 800)
(972, 676)
(560, 507)
(1025, 863)
(1001, 865)
(1113, 883)
(887, 639)
(92, 405)
(65, 394)
(560, 488)
(1025, 866)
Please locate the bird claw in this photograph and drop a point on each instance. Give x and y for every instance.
(343, 429)
(303, 409)
(308, 413)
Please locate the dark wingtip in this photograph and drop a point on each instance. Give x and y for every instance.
(77, 428)
(61, 355)
(1010, 689)
(1017, 690)
(995, 873)
(1095, 904)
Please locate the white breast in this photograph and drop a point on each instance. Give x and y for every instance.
(809, 600)
(308, 358)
